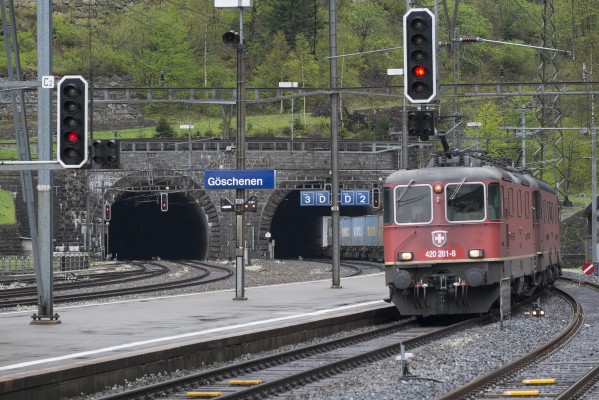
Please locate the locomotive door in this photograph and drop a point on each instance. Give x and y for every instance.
(536, 220)
(507, 213)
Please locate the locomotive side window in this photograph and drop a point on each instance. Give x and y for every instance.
(387, 211)
(519, 203)
(465, 201)
(494, 202)
(413, 204)
(536, 203)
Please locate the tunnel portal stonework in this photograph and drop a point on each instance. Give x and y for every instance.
(155, 167)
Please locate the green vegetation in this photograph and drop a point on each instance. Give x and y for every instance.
(178, 43)
(7, 208)
(256, 125)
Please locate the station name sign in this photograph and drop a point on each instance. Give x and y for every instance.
(240, 179)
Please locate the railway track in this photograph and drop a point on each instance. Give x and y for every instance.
(543, 373)
(363, 267)
(136, 271)
(90, 286)
(278, 373)
(128, 284)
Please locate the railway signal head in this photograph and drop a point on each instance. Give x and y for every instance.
(251, 204)
(537, 311)
(164, 202)
(421, 123)
(107, 212)
(106, 152)
(72, 110)
(420, 55)
(376, 198)
(231, 38)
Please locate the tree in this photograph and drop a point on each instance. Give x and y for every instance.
(292, 17)
(163, 129)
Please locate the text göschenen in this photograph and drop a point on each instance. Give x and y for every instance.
(216, 181)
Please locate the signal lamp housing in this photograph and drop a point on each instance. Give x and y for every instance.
(420, 55)
(72, 116)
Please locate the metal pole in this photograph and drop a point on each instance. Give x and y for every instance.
(404, 136)
(523, 121)
(594, 194)
(334, 146)
(44, 189)
(292, 121)
(240, 193)
(593, 173)
(594, 186)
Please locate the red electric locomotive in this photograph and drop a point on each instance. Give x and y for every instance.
(454, 230)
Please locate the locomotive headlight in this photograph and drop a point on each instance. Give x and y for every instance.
(438, 188)
(476, 253)
(405, 256)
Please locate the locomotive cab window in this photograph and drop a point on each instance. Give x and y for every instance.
(465, 201)
(413, 204)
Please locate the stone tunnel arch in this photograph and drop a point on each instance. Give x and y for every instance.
(139, 229)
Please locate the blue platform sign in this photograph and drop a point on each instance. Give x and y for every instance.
(240, 179)
(355, 198)
(315, 198)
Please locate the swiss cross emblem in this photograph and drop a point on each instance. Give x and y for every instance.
(439, 238)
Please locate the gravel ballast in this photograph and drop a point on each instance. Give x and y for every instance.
(436, 370)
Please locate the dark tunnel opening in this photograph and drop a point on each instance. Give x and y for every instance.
(297, 230)
(139, 230)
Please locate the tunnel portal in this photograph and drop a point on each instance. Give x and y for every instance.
(140, 230)
(297, 230)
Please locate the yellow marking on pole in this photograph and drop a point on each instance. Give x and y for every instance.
(540, 381)
(246, 382)
(521, 392)
(204, 394)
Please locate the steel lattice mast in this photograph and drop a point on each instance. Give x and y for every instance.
(550, 153)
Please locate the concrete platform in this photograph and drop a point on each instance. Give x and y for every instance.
(108, 342)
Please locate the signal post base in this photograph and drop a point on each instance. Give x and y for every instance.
(45, 319)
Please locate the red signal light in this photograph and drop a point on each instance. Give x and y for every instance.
(164, 202)
(71, 137)
(419, 71)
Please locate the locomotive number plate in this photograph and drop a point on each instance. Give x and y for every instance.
(441, 254)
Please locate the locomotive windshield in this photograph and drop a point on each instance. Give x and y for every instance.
(413, 204)
(465, 201)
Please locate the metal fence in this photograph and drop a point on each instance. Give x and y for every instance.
(16, 265)
(21, 265)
